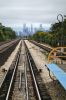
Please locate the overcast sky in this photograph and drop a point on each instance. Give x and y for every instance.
(16, 12)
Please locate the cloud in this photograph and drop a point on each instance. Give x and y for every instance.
(16, 12)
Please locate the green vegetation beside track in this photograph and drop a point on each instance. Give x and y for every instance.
(54, 37)
(6, 33)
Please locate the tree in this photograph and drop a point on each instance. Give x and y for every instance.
(6, 33)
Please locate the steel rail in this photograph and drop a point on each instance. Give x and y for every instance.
(7, 45)
(37, 90)
(20, 79)
(7, 97)
(26, 81)
(27, 96)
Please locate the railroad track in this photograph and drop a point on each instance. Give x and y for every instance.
(19, 84)
(23, 80)
(4, 42)
(7, 83)
(39, 86)
(47, 48)
(6, 50)
(6, 45)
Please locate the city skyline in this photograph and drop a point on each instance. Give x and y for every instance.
(25, 29)
(14, 13)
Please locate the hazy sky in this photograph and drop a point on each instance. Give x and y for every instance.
(17, 12)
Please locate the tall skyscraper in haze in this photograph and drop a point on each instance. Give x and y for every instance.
(31, 29)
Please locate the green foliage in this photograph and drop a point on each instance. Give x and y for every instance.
(55, 36)
(6, 33)
(39, 36)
